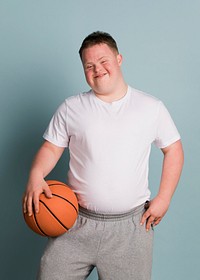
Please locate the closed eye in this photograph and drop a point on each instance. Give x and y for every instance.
(88, 67)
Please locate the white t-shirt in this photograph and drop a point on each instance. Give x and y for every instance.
(109, 146)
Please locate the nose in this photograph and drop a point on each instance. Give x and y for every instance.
(97, 68)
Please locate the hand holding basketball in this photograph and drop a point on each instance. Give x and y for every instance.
(31, 197)
(58, 214)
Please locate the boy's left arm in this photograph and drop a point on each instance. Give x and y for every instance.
(171, 171)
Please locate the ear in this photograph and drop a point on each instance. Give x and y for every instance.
(119, 59)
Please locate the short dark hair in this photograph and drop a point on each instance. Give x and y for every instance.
(97, 38)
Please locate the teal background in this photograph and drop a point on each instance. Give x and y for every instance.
(40, 67)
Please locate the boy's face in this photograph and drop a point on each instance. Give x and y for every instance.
(102, 68)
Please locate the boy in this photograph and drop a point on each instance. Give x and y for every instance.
(109, 131)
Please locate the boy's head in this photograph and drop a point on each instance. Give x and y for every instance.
(97, 38)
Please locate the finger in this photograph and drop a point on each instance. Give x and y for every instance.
(36, 202)
(29, 205)
(157, 221)
(36, 198)
(47, 191)
(150, 222)
(24, 200)
(145, 216)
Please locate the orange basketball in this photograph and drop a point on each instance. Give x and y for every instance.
(56, 214)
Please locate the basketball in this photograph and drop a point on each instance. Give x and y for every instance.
(57, 214)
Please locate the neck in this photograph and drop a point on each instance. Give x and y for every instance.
(115, 95)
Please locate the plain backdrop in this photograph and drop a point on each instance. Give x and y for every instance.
(40, 67)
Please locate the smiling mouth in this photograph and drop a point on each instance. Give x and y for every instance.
(100, 76)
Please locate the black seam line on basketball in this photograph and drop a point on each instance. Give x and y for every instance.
(54, 215)
(65, 200)
(38, 225)
(57, 184)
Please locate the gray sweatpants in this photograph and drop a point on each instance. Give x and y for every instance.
(117, 245)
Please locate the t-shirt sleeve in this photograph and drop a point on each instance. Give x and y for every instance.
(56, 131)
(166, 133)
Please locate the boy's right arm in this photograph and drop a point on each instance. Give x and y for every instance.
(45, 160)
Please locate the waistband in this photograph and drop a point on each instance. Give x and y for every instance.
(111, 217)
